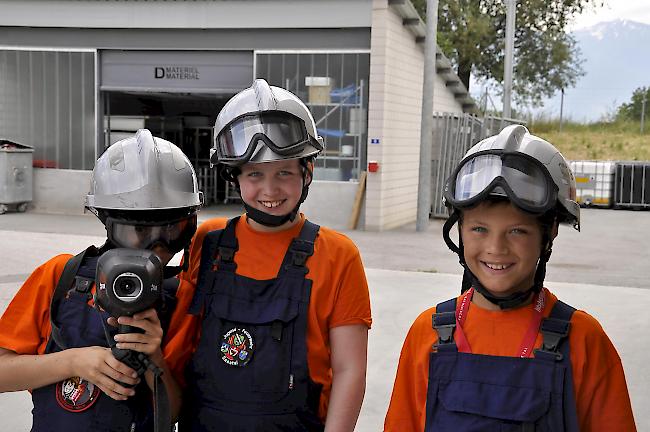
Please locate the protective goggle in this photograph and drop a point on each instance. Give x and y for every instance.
(173, 235)
(520, 177)
(283, 133)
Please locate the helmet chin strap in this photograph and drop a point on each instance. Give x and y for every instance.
(270, 220)
(470, 280)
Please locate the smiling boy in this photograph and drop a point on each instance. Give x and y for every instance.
(281, 304)
(507, 355)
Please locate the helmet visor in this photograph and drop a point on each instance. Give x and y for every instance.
(521, 178)
(173, 235)
(284, 134)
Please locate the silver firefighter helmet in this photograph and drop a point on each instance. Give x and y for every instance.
(143, 172)
(264, 123)
(526, 169)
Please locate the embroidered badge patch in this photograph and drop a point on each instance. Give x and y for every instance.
(237, 347)
(76, 394)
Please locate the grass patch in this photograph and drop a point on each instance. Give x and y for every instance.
(599, 141)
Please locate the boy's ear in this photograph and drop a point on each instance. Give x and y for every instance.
(309, 173)
(554, 229)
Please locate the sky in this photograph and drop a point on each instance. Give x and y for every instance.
(634, 10)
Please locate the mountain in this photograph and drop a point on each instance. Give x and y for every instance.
(616, 58)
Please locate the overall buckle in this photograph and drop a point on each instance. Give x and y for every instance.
(553, 331)
(444, 323)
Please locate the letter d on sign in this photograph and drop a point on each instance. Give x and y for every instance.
(159, 72)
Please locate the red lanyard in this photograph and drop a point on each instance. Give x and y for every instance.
(527, 343)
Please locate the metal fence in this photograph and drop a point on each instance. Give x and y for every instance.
(453, 135)
(632, 185)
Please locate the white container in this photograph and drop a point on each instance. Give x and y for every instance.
(124, 123)
(347, 150)
(318, 81)
(319, 89)
(594, 182)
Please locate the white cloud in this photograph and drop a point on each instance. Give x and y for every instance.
(633, 10)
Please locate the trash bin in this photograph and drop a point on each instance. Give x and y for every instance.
(15, 175)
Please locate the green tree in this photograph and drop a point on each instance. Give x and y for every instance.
(546, 59)
(632, 109)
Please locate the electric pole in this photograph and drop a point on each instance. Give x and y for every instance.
(426, 124)
(561, 108)
(510, 46)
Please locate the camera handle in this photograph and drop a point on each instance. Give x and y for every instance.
(140, 363)
(137, 361)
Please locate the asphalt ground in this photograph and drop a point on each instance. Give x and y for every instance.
(604, 269)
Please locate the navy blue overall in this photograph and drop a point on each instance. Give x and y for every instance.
(79, 406)
(470, 392)
(249, 372)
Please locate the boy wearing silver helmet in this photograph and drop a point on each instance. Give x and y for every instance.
(507, 354)
(281, 304)
(54, 337)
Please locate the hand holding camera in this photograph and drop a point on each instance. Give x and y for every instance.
(129, 286)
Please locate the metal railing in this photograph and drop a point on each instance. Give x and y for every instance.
(453, 135)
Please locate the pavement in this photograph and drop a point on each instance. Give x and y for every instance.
(604, 269)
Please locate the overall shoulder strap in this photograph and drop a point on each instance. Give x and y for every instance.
(300, 249)
(168, 302)
(227, 244)
(555, 330)
(444, 323)
(64, 285)
(218, 250)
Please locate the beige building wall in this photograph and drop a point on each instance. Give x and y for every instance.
(443, 98)
(394, 115)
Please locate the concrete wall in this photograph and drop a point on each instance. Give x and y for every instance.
(394, 115)
(60, 191)
(329, 203)
(443, 99)
(180, 14)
